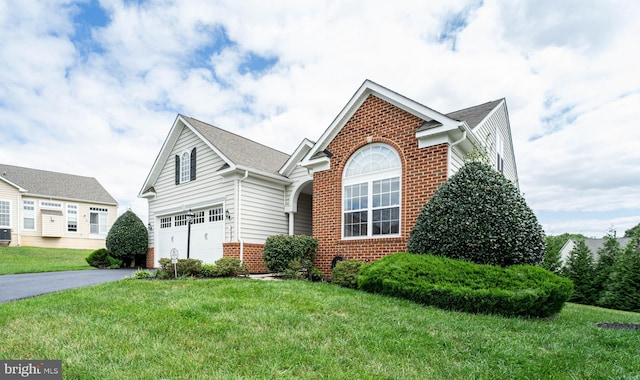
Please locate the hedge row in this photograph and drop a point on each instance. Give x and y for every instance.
(520, 290)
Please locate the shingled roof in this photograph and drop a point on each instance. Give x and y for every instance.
(472, 115)
(240, 150)
(44, 183)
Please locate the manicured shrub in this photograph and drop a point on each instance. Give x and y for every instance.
(521, 290)
(480, 216)
(184, 267)
(98, 258)
(127, 237)
(208, 270)
(114, 263)
(230, 267)
(280, 250)
(346, 273)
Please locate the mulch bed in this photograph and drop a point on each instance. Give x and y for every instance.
(619, 326)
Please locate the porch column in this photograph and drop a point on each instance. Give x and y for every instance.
(291, 222)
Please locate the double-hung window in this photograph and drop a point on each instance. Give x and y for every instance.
(28, 214)
(72, 218)
(5, 213)
(371, 193)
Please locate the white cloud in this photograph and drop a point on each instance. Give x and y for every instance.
(103, 109)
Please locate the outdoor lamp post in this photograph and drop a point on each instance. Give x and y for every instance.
(190, 216)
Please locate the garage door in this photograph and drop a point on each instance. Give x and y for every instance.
(207, 235)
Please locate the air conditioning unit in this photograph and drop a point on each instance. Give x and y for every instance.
(5, 234)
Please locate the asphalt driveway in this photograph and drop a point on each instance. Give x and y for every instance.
(18, 286)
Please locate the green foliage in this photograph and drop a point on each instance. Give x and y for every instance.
(141, 274)
(622, 291)
(208, 270)
(295, 271)
(480, 216)
(127, 237)
(280, 250)
(230, 267)
(552, 249)
(98, 258)
(607, 256)
(184, 267)
(316, 274)
(631, 232)
(346, 273)
(114, 263)
(521, 290)
(580, 269)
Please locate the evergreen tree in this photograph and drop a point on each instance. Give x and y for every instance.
(607, 256)
(552, 249)
(632, 231)
(622, 290)
(480, 216)
(580, 269)
(127, 237)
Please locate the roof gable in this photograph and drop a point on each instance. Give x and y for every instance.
(369, 88)
(238, 153)
(56, 185)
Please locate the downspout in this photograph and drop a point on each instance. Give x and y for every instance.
(239, 217)
(464, 136)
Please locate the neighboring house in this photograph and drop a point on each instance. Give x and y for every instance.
(358, 189)
(593, 244)
(48, 209)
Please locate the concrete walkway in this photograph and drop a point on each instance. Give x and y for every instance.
(19, 286)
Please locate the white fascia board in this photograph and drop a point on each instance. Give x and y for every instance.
(238, 172)
(317, 165)
(370, 88)
(20, 189)
(300, 152)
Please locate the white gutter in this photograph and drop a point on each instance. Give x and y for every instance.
(239, 216)
(464, 136)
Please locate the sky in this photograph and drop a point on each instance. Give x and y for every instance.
(93, 87)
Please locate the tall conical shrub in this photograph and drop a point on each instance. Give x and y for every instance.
(478, 215)
(127, 237)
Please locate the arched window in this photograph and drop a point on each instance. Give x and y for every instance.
(185, 167)
(371, 193)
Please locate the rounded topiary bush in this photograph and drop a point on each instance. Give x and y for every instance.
(127, 237)
(346, 273)
(480, 216)
(520, 290)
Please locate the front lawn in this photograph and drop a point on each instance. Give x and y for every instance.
(242, 328)
(33, 259)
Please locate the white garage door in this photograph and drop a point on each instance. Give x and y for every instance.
(207, 235)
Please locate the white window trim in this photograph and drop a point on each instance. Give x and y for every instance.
(9, 202)
(35, 224)
(77, 218)
(185, 167)
(101, 212)
(369, 178)
(51, 204)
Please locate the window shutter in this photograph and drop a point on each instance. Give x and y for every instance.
(177, 169)
(193, 164)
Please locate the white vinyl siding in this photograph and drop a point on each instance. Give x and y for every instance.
(303, 218)
(208, 187)
(262, 211)
(497, 125)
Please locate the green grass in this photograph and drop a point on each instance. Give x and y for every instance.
(241, 328)
(33, 259)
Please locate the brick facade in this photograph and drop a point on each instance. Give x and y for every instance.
(252, 255)
(423, 171)
(150, 261)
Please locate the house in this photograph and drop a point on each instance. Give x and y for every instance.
(593, 244)
(48, 209)
(358, 189)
